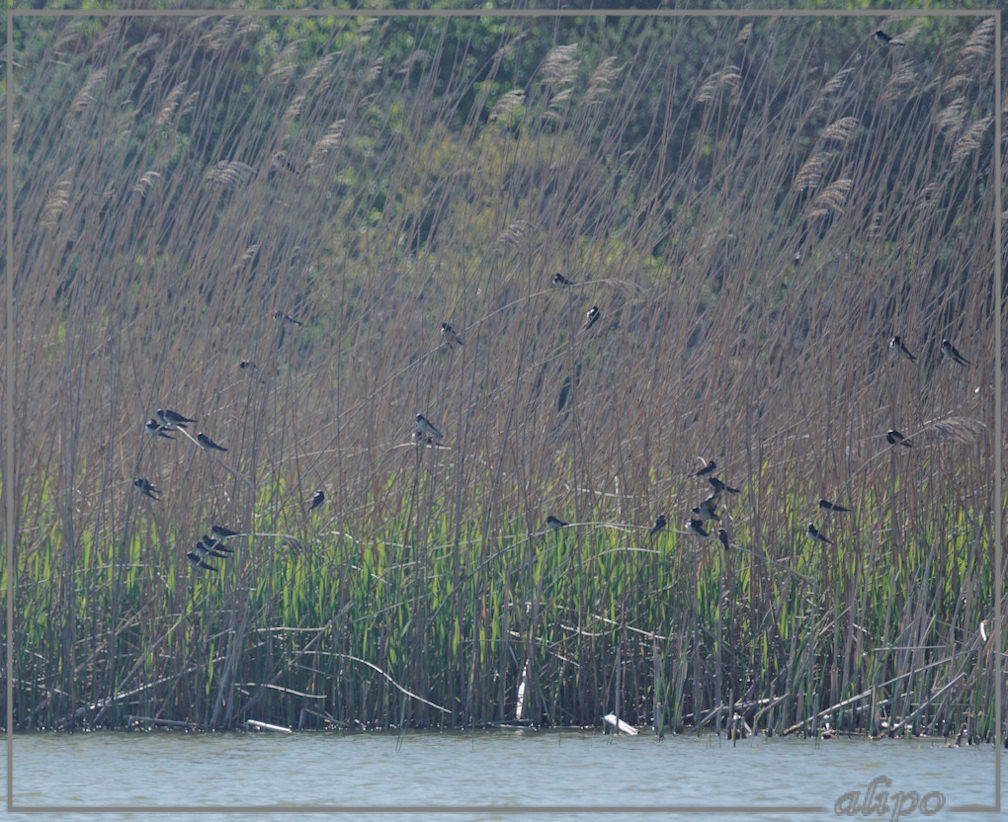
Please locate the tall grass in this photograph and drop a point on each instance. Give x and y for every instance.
(754, 208)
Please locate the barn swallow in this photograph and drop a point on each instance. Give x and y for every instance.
(146, 488)
(221, 532)
(591, 317)
(561, 280)
(896, 344)
(196, 562)
(706, 509)
(894, 437)
(171, 418)
(717, 485)
(826, 505)
(950, 351)
(208, 443)
(279, 315)
(448, 333)
(710, 466)
(884, 39)
(695, 526)
(317, 499)
(212, 544)
(280, 160)
(152, 426)
(815, 536)
(659, 525)
(425, 426)
(203, 551)
(722, 535)
(556, 524)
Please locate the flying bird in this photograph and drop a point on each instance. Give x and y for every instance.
(196, 562)
(894, 437)
(659, 525)
(448, 333)
(556, 524)
(591, 317)
(722, 535)
(896, 344)
(425, 426)
(147, 488)
(560, 280)
(815, 536)
(710, 466)
(317, 499)
(950, 351)
(221, 532)
(279, 315)
(208, 443)
(826, 505)
(695, 526)
(170, 419)
(717, 485)
(157, 429)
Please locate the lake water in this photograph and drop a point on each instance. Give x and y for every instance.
(576, 769)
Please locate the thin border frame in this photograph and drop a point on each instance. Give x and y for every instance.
(10, 376)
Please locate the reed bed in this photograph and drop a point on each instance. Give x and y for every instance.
(755, 207)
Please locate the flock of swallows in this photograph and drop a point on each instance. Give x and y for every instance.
(164, 421)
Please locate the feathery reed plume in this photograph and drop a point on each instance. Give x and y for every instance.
(728, 78)
(831, 200)
(507, 105)
(970, 140)
(169, 105)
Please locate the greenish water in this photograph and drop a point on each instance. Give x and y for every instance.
(754, 778)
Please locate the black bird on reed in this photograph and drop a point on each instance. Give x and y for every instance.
(896, 344)
(560, 280)
(707, 509)
(287, 318)
(695, 526)
(591, 317)
(894, 437)
(146, 488)
(248, 364)
(815, 536)
(556, 524)
(221, 532)
(710, 466)
(317, 499)
(826, 505)
(196, 562)
(207, 443)
(659, 525)
(203, 550)
(157, 429)
(448, 334)
(212, 544)
(722, 536)
(425, 426)
(950, 351)
(717, 485)
(884, 39)
(170, 419)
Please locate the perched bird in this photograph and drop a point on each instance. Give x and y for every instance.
(826, 505)
(196, 562)
(556, 524)
(317, 499)
(706, 509)
(717, 485)
(208, 443)
(561, 280)
(157, 429)
(448, 333)
(710, 466)
(950, 351)
(591, 317)
(659, 525)
(171, 418)
(212, 544)
(425, 426)
(722, 535)
(221, 532)
(279, 315)
(884, 39)
(896, 344)
(280, 160)
(815, 536)
(894, 437)
(248, 364)
(695, 526)
(211, 552)
(146, 488)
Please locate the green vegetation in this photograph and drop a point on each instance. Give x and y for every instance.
(755, 206)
